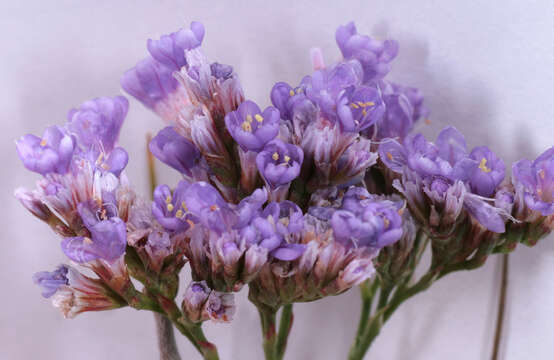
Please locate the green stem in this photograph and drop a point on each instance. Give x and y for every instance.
(367, 293)
(267, 318)
(285, 324)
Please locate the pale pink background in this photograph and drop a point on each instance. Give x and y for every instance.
(486, 67)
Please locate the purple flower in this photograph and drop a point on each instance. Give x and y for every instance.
(108, 234)
(359, 107)
(169, 50)
(535, 182)
(489, 174)
(50, 282)
(287, 99)
(372, 223)
(250, 127)
(50, 154)
(220, 306)
(250, 207)
(171, 210)
(374, 55)
(174, 150)
(204, 202)
(149, 82)
(278, 229)
(97, 122)
(325, 86)
(279, 163)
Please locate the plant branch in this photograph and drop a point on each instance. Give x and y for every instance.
(285, 324)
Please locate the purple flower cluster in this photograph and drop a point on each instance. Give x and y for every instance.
(275, 198)
(83, 194)
(442, 179)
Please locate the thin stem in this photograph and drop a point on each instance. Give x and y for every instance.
(152, 178)
(166, 338)
(267, 318)
(285, 324)
(501, 307)
(367, 293)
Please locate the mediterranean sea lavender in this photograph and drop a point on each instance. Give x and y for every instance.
(325, 190)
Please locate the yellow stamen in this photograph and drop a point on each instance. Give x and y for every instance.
(168, 199)
(170, 207)
(275, 156)
(43, 142)
(249, 118)
(369, 103)
(87, 241)
(179, 214)
(360, 103)
(483, 165)
(246, 126)
(214, 207)
(291, 92)
(387, 222)
(105, 166)
(354, 106)
(259, 118)
(287, 158)
(184, 206)
(389, 156)
(364, 112)
(542, 174)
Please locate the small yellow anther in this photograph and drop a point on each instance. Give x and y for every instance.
(361, 104)
(389, 156)
(364, 112)
(168, 199)
(249, 118)
(43, 142)
(542, 174)
(483, 165)
(214, 207)
(387, 222)
(259, 118)
(179, 214)
(287, 158)
(275, 156)
(354, 106)
(170, 207)
(184, 206)
(87, 241)
(369, 103)
(291, 93)
(246, 126)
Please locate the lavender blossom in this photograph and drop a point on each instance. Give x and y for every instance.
(169, 50)
(374, 55)
(97, 122)
(534, 182)
(50, 282)
(107, 238)
(359, 107)
(171, 210)
(489, 174)
(279, 163)
(179, 153)
(251, 128)
(50, 154)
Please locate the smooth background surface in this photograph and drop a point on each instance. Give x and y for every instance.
(485, 66)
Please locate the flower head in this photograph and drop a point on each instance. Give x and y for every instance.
(250, 127)
(279, 163)
(50, 154)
